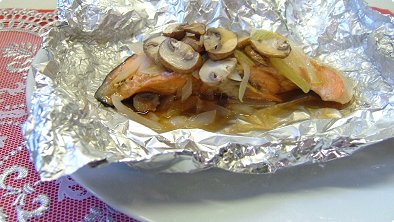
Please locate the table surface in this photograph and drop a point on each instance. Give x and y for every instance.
(32, 198)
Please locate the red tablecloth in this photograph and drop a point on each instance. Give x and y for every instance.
(22, 195)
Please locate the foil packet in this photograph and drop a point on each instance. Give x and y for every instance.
(68, 128)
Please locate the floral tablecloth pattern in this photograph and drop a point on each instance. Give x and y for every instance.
(23, 197)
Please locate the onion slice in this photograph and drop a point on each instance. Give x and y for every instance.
(243, 57)
(203, 119)
(116, 100)
(130, 69)
(297, 68)
(137, 47)
(244, 82)
(235, 76)
(152, 70)
(187, 89)
(290, 73)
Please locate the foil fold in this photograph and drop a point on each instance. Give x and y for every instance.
(67, 127)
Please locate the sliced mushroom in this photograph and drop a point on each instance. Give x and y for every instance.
(243, 42)
(270, 44)
(219, 43)
(174, 31)
(215, 72)
(151, 47)
(195, 43)
(256, 56)
(146, 101)
(195, 28)
(179, 56)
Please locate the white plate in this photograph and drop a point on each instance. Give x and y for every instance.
(356, 188)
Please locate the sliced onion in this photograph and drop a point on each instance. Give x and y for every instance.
(130, 69)
(242, 57)
(222, 110)
(287, 70)
(242, 108)
(137, 47)
(187, 89)
(244, 82)
(202, 105)
(235, 76)
(146, 62)
(153, 116)
(297, 68)
(199, 105)
(152, 70)
(116, 100)
(203, 119)
(178, 121)
(303, 61)
(171, 113)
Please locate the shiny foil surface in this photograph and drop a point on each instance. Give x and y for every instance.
(68, 128)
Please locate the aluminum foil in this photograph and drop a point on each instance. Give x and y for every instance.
(67, 127)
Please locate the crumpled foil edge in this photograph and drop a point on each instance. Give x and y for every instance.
(61, 144)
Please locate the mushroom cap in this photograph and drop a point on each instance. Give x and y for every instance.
(270, 44)
(175, 31)
(256, 56)
(215, 72)
(145, 101)
(195, 43)
(179, 56)
(242, 42)
(219, 43)
(151, 47)
(195, 28)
